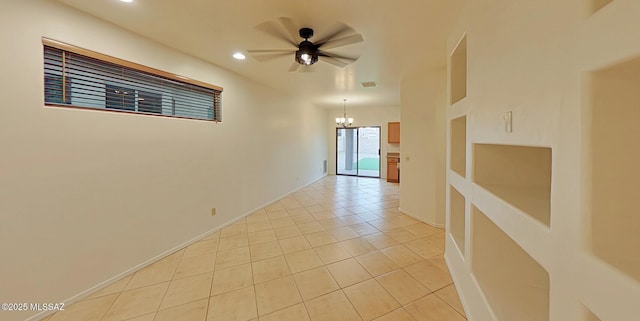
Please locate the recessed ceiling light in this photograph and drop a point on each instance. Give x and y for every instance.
(126, 1)
(239, 56)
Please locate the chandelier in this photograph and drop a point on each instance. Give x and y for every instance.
(344, 121)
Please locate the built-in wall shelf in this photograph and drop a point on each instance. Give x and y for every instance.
(459, 182)
(458, 72)
(460, 109)
(532, 201)
(530, 234)
(589, 316)
(615, 173)
(598, 4)
(620, 302)
(457, 219)
(519, 175)
(458, 148)
(514, 284)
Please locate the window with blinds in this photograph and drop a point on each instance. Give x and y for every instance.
(80, 78)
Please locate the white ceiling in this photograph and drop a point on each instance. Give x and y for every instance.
(400, 37)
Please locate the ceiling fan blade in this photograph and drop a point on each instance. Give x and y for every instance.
(273, 29)
(305, 68)
(294, 66)
(268, 51)
(341, 29)
(332, 55)
(334, 61)
(269, 55)
(345, 41)
(291, 28)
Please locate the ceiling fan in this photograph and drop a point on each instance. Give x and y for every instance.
(306, 52)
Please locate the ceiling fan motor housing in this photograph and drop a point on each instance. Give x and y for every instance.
(306, 33)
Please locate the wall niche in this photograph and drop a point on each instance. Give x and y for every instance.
(458, 76)
(615, 166)
(457, 219)
(515, 285)
(458, 148)
(519, 175)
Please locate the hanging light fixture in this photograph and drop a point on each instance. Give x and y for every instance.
(344, 121)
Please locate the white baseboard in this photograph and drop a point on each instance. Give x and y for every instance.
(179, 247)
(403, 211)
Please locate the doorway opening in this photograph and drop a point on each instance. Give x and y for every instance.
(358, 151)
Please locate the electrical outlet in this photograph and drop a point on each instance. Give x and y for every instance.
(213, 211)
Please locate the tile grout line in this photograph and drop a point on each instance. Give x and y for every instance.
(352, 305)
(104, 314)
(298, 288)
(447, 303)
(253, 280)
(169, 285)
(206, 315)
(255, 294)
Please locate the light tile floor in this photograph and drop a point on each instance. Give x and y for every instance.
(338, 249)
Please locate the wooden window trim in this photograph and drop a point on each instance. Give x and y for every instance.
(92, 54)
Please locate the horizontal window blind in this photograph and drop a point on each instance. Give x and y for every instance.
(80, 78)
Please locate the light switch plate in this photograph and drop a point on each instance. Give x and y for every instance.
(508, 122)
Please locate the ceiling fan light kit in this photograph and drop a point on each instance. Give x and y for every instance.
(307, 53)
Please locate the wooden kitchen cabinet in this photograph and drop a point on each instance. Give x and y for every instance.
(393, 132)
(393, 173)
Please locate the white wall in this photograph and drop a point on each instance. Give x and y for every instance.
(87, 195)
(422, 157)
(535, 58)
(363, 117)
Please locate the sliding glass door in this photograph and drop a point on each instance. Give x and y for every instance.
(358, 151)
